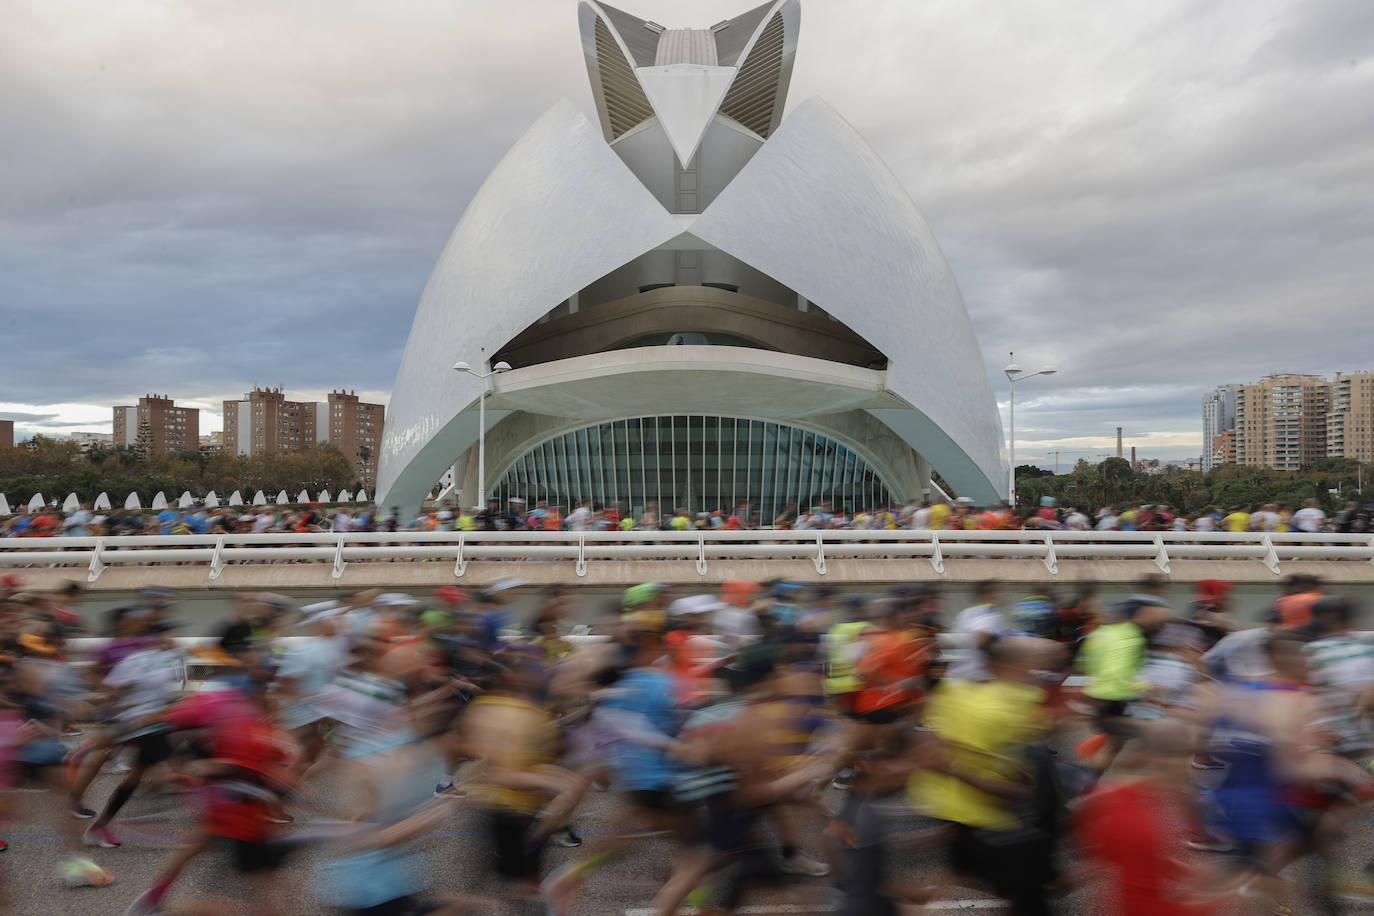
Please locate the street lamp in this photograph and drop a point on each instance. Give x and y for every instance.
(461, 366)
(1014, 375)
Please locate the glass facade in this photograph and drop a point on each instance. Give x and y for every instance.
(700, 463)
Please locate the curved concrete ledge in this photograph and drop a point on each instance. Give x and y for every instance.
(701, 309)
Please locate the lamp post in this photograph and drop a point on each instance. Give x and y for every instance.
(1014, 375)
(461, 366)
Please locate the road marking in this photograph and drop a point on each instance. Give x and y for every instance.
(807, 910)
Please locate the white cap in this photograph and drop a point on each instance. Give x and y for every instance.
(501, 585)
(695, 604)
(322, 610)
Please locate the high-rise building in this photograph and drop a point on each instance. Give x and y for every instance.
(265, 421)
(6, 433)
(1350, 421)
(1281, 421)
(156, 424)
(1218, 415)
(356, 428)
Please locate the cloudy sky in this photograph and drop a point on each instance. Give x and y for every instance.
(1158, 197)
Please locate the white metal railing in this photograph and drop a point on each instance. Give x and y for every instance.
(461, 547)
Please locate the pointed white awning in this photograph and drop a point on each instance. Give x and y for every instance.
(131, 502)
(102, 502)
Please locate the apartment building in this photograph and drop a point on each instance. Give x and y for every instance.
(264, 421)
(1350, 421)
(356, 428)
(1223, 449)
(157, 424)
(1281, 421)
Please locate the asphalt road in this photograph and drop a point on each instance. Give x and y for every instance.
(456, 856)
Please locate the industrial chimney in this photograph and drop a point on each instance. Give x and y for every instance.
(1118, 442)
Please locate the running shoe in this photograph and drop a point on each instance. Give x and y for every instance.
(798, 864)
(79, 871)
(4, 844)
(82, 812)
(1209, 844)
(565, 838)
(1207, 762)
(449, 791)
(102, 837)
(71, 731)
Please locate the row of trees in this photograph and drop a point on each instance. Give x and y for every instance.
(1113, 482)
(43, 465)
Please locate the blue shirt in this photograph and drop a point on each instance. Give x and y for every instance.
(650, 693)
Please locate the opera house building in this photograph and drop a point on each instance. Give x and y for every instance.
(702, 302)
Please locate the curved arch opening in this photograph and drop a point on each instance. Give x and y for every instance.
(700, 463)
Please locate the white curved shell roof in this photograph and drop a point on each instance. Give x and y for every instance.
(815, 209)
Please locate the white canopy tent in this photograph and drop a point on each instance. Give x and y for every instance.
(236, 498)
(159, 501)
(71, 503)
(102, 502)
(37, 502)
(211, 500)
(131, 502)
(187, 500)
(259, 498)
(4, 505)
(282, 498)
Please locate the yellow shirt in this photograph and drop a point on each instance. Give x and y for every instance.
(984, 724)
(938, 514)
(1237, 521)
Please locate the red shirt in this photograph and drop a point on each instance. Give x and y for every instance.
(237, 732)
(1126, 828)
(890, 658)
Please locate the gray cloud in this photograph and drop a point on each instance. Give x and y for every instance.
(1160, 198)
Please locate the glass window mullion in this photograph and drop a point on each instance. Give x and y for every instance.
(720, 438)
